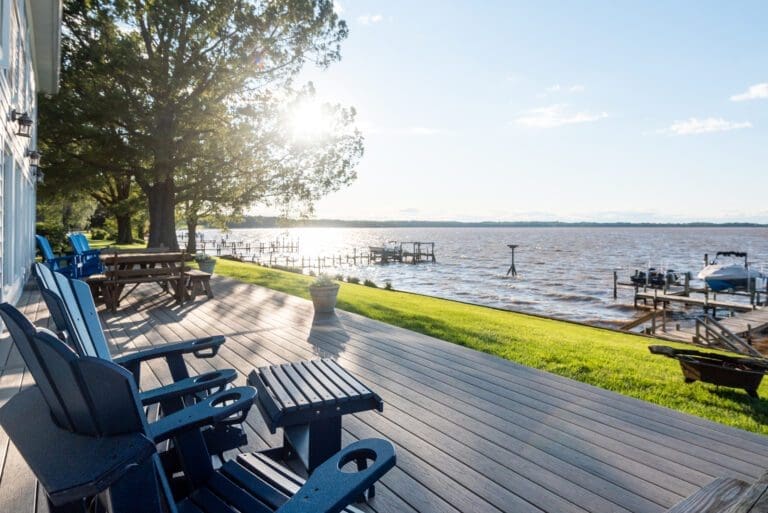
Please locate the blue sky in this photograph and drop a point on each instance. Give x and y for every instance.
(504, 111)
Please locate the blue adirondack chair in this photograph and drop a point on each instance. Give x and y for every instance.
(82, 433)
(68, 265)
(89, 258)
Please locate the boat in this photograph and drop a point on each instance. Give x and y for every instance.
(720, 275)
(655, 278)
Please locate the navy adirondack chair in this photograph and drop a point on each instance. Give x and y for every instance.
(89, 258)
(82, 432)
(77, 322)
(169, 398)
(74, 314)
(68, 265)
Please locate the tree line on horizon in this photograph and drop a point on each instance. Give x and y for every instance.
(281, 222)
(178, 112)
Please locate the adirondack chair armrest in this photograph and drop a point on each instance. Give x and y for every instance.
(230, 405)
(329, 488)
(201, 383)
(69, 466)
(205, 347)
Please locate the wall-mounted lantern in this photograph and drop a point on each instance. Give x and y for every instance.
(24, 121)
(34, 163)
(34, 158)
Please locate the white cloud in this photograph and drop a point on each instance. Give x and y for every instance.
(575, 88)
(337, 8)
(557, 115)
(370, 19)
(694, 126)
(757, 91)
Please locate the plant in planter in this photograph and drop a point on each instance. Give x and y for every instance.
(205, 263)
(324, 291)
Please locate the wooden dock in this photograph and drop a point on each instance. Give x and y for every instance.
(403, 252)
(658, 297)
(742, 325)
(474, 433)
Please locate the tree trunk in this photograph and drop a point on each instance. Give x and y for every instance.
(191, 235)
(124, 231)
(162, 215)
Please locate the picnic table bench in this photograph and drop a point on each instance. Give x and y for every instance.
(307, 399)
(123, 269)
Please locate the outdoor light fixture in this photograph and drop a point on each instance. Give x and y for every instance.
(34, 158)
(34, 163)
(24, 121)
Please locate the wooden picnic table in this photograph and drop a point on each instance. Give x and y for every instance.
(123, 269)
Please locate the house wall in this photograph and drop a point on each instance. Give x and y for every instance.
(18, 86)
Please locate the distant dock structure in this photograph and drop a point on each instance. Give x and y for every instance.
(403, 252)
(284, 252)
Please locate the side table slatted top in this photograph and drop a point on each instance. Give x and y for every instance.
(308, 391)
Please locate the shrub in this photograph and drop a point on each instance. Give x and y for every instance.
(369, 283)
(352, 279)
(339, 277)
(99, 234)
(388, 285)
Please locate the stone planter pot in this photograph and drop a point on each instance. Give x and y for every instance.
(207, 266)
(324, 298)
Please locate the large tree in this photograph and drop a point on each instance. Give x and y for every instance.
(167, 77)
(286, 150)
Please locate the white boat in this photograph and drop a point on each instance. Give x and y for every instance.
(729, 275)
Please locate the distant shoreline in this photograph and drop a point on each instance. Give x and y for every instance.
(276, 222)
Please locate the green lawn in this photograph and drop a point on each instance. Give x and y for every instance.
(608, 359)
(102, 244)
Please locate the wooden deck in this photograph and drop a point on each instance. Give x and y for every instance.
(474, 433)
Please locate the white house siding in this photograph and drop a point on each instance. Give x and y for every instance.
(18, 90)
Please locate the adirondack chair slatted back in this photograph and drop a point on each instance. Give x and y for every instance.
(82, 325)
(77, 245)
(86, 395)
(84, 328)
(22, 333)
(45, 248)
(47, 285)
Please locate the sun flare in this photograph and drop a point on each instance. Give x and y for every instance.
(308, 121)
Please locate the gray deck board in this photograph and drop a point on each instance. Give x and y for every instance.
(473, 432)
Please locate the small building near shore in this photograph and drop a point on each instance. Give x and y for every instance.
(30, 50)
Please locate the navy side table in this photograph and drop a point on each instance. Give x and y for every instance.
(307, 399)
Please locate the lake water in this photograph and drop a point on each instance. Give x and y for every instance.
(562, 272)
